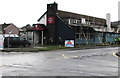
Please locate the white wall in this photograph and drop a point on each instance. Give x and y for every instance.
(44, 20)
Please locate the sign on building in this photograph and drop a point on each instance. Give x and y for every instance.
(69, 43)
(50, 20)
(1, 42)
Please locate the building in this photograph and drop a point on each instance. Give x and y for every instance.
(83, 29)
(116, 26)
(33, 33)
(9, 29)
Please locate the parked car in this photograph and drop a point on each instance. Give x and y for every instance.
(15, 42)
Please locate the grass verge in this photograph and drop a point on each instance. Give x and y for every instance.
(35, 48)
(53, 47)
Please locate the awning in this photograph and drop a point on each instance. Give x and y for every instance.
(40, 27)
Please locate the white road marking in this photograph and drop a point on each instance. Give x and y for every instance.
(66, 56)
(93, 74)
(114, 54)
(14, 65)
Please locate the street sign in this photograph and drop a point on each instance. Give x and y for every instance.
(69, 43)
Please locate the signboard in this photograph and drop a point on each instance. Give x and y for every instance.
(69, 43)
(50, 20)
(1, 42)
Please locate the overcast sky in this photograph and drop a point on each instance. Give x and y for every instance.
(22, 12)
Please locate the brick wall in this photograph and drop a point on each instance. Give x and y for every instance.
(11, 29)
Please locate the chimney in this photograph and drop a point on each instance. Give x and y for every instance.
(51, 22)
(52, 8)
(108, 22)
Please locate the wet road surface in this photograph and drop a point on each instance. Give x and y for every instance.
(88, 62)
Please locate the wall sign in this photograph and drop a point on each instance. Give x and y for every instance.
(51, 20)
(69, 43)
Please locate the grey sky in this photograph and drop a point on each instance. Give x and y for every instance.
(22, 12)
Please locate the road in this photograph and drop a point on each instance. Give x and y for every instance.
(87, 62)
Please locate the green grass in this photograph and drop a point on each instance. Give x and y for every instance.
(50, 47)
(20, 50)
(32, 49)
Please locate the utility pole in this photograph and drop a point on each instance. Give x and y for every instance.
(42, 38)
(8, 42)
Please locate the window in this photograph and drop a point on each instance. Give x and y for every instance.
(74, 21)
(76, 35)
(91, 36)
(77, 30)
(83, 36)
(83, 21)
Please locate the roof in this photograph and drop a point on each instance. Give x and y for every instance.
(115, 24)
(39, 27)
(21, 30)
(78, 16)
(4, 26)
(11, 24)
(33, 27)
(42, 16)
(74, 15)
(27, 27)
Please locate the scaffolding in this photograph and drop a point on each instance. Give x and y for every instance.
(83, 34)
